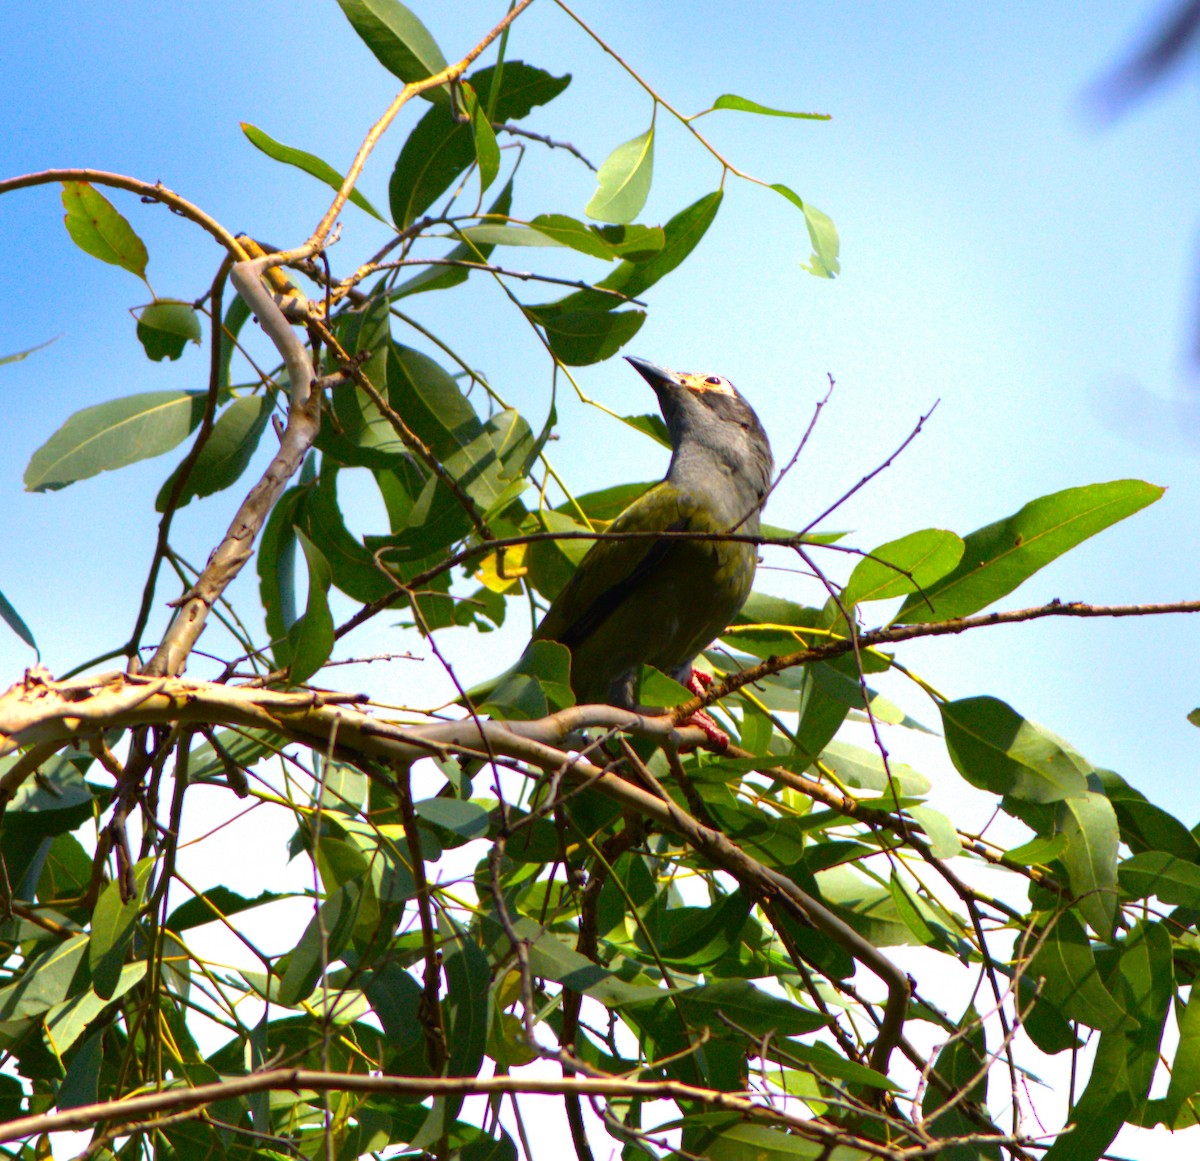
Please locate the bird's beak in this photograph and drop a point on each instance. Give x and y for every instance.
(658, 377)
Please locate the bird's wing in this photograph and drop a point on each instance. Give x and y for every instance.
(613, 570)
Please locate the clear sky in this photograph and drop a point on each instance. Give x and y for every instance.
(1003, 252)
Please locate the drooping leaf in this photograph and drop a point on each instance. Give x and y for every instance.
(468, 820)
(1126, 1058)
(822, 233)
(744, 105)
(112, 931)
(322, 943)
(98, 229)
(487, 152)
(1000, 556)
(226, 453)
(166, 327)
(14, 621)
(400, 42)
(623, 183)
(1072, 979)
(1090, 824)
(996, 749)
(312, 636)
(308, 162)
(112, 435)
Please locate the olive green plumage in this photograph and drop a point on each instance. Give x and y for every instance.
(660, 602)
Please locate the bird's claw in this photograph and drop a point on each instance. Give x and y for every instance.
(698, 683)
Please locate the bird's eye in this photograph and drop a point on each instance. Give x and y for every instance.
(715, 380)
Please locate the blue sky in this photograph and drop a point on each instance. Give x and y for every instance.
(1002, 252)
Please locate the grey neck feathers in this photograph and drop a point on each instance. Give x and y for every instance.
(732, 481)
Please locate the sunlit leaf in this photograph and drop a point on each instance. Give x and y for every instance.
(97, 228)
(1000, 556)
(487, 152)
(743, 105)
(821, 232)
(903, 566)
(1090, 824)
(623, 183)
(400, 42)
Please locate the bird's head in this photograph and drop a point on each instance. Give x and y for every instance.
(706, 415)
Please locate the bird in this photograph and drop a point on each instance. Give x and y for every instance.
(645, 601)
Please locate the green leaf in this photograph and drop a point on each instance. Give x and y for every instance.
(1040, 851)
(822, 233)
(97, 228)
(588, 337)
(909, 912)
(926, 556)
(1144, 826)
(308, 162)
(538, 684)
(13, 620)
(226, 453)
(18, 356)
(323, 941)
(743, 105)
(607, 242)
(312, 636)
(944, 842)
(440, 148)
(399, 41)
(651, 425)
(165, 327)
(214, 903)
(996, 749)
(1073, 984)
(468, 820)
(487, 152)
(45, 982)
(623, 183)
(1000, 556)
(112, 931)
(487, 234)
(1126, 1059)
(67, 1022)
(864, 770)
(1159, 873)
(1090, 824)
(1185, 1068)
(112, 435)
(745, 1140)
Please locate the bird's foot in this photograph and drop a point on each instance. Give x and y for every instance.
(698, 682)
(713, 732)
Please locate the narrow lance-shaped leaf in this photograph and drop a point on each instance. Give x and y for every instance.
(112, 435)
(821, 232)
(1090, 823)
(312, 636)
(97, 228)
(1000, 556)
(487, 152)
(18, 356)
(308, 162)
(13, 620)
(744, 105)
(623, 183)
